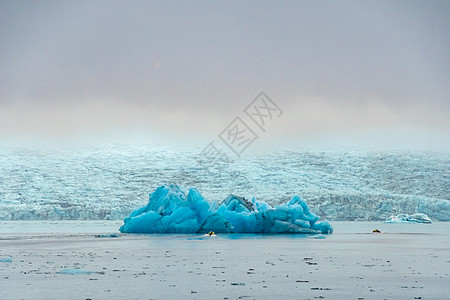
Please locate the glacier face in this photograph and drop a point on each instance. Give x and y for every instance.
(172, 209)
(109, 182)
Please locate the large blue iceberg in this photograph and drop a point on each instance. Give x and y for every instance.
(172, 209)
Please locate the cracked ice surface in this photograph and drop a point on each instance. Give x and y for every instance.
(109, 182)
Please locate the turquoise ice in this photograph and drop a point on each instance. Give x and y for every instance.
(172, 209)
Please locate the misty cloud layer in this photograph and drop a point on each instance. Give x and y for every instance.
(340, 71)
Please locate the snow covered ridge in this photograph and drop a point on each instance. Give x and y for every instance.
(405, 218)
(173, 210)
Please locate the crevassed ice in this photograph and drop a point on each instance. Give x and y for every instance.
(107, 182)
(172, 209)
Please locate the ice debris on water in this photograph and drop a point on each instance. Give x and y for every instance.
(406, 218)
(109, 235)
(75, 272)
(172, 209)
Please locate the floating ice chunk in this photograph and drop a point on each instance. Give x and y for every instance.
(173, 210)
(406, 218)
(6, 259)
(323, 226)
(319, 237)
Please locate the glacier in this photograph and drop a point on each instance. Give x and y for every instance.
(172, 209)
(108, 182)
(406, 218)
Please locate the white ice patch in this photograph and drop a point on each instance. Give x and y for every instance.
(405, 218)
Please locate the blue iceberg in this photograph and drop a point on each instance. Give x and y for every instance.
(172, 209)
(6, 259)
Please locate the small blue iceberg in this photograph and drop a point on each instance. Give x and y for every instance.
(172, 209)
(6, 259)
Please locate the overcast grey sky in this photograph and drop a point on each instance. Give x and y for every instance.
(365, 73)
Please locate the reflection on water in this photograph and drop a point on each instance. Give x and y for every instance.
(357, 230)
